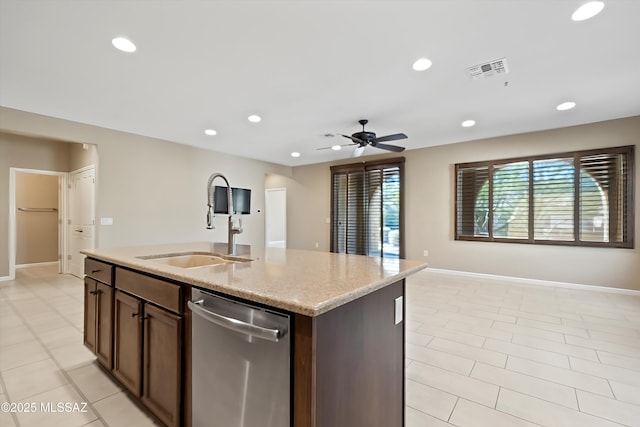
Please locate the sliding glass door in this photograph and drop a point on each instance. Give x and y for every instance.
(366, 209)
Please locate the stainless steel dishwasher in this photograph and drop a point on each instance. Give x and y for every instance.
(241, 364)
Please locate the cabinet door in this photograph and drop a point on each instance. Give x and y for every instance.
(127, 341)
(89, 334)
(162, 364)
(104, 316)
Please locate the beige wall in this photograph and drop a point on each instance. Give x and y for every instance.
(429, 211)
(27, 153)
(308, 206)
(81, 155)
(154, 190)
(36, 232)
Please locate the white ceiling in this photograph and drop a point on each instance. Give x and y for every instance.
(316, 67)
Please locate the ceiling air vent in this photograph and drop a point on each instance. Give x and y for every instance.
(488, 69)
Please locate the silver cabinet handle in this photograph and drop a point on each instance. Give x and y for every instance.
(235, 324)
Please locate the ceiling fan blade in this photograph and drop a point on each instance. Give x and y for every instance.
(358, 151)
(353, 138)
(331, 147)
(388, 147)
(394, 137)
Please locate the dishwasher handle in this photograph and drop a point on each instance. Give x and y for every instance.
(235, 324)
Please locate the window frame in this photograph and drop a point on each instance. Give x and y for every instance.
(628, 150)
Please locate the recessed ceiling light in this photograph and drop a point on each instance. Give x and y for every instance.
(295, 154)
(468, 123)
(566, 106)
(587, 10)
(254, 119)
(336, 147)
(210, 132)
(123, 44)
(422, 64)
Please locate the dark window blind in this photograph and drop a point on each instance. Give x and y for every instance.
(604, 206)
(366, 216)
(554, 199)
(473, 201)
(510, 200)
(581, 198)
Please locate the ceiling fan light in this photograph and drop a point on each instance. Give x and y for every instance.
(123, 44)
(587, 10)
(336, 147)
(566, 106)
(422, 64)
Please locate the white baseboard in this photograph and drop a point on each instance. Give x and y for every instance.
(37, 264)
(525, 281)
(5, 278)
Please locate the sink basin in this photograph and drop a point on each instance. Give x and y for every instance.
(195, 259)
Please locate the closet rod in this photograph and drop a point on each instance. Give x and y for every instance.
(38, 209)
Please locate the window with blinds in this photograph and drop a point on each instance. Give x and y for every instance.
(580, 198)
(366, 208)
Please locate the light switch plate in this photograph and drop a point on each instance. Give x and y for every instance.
(106, 221)
(399, 309)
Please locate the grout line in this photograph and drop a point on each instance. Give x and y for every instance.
(495, 405)
(558, 383)
(453, 409)
(612, 392)
(3, 387)
(63, 371)
(472, 368)
(598, 356)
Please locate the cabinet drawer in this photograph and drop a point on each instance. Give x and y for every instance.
(154, 290)
(99, 270)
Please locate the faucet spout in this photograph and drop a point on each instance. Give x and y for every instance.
(232, 229)
(210, 218)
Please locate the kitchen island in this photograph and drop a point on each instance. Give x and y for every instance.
(347, 328)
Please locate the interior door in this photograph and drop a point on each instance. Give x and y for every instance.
(276, 217)
(81, 217)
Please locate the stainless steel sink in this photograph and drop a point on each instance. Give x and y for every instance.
(194, 259)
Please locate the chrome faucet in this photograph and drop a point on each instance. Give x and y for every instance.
(232, 228)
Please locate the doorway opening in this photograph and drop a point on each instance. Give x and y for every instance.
(51, 218)
(37, 214)
(276, 217)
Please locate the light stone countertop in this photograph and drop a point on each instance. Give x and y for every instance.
(303, 282)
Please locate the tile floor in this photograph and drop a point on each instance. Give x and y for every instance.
(43, 362)
(484, 352)
(480, 353)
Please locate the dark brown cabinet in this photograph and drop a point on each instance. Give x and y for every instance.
(127, 360)
(162, 362)
(148, 342)
(348, 363)
(98, 308)
(90, 315)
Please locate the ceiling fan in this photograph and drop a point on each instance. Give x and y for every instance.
(364, 138)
